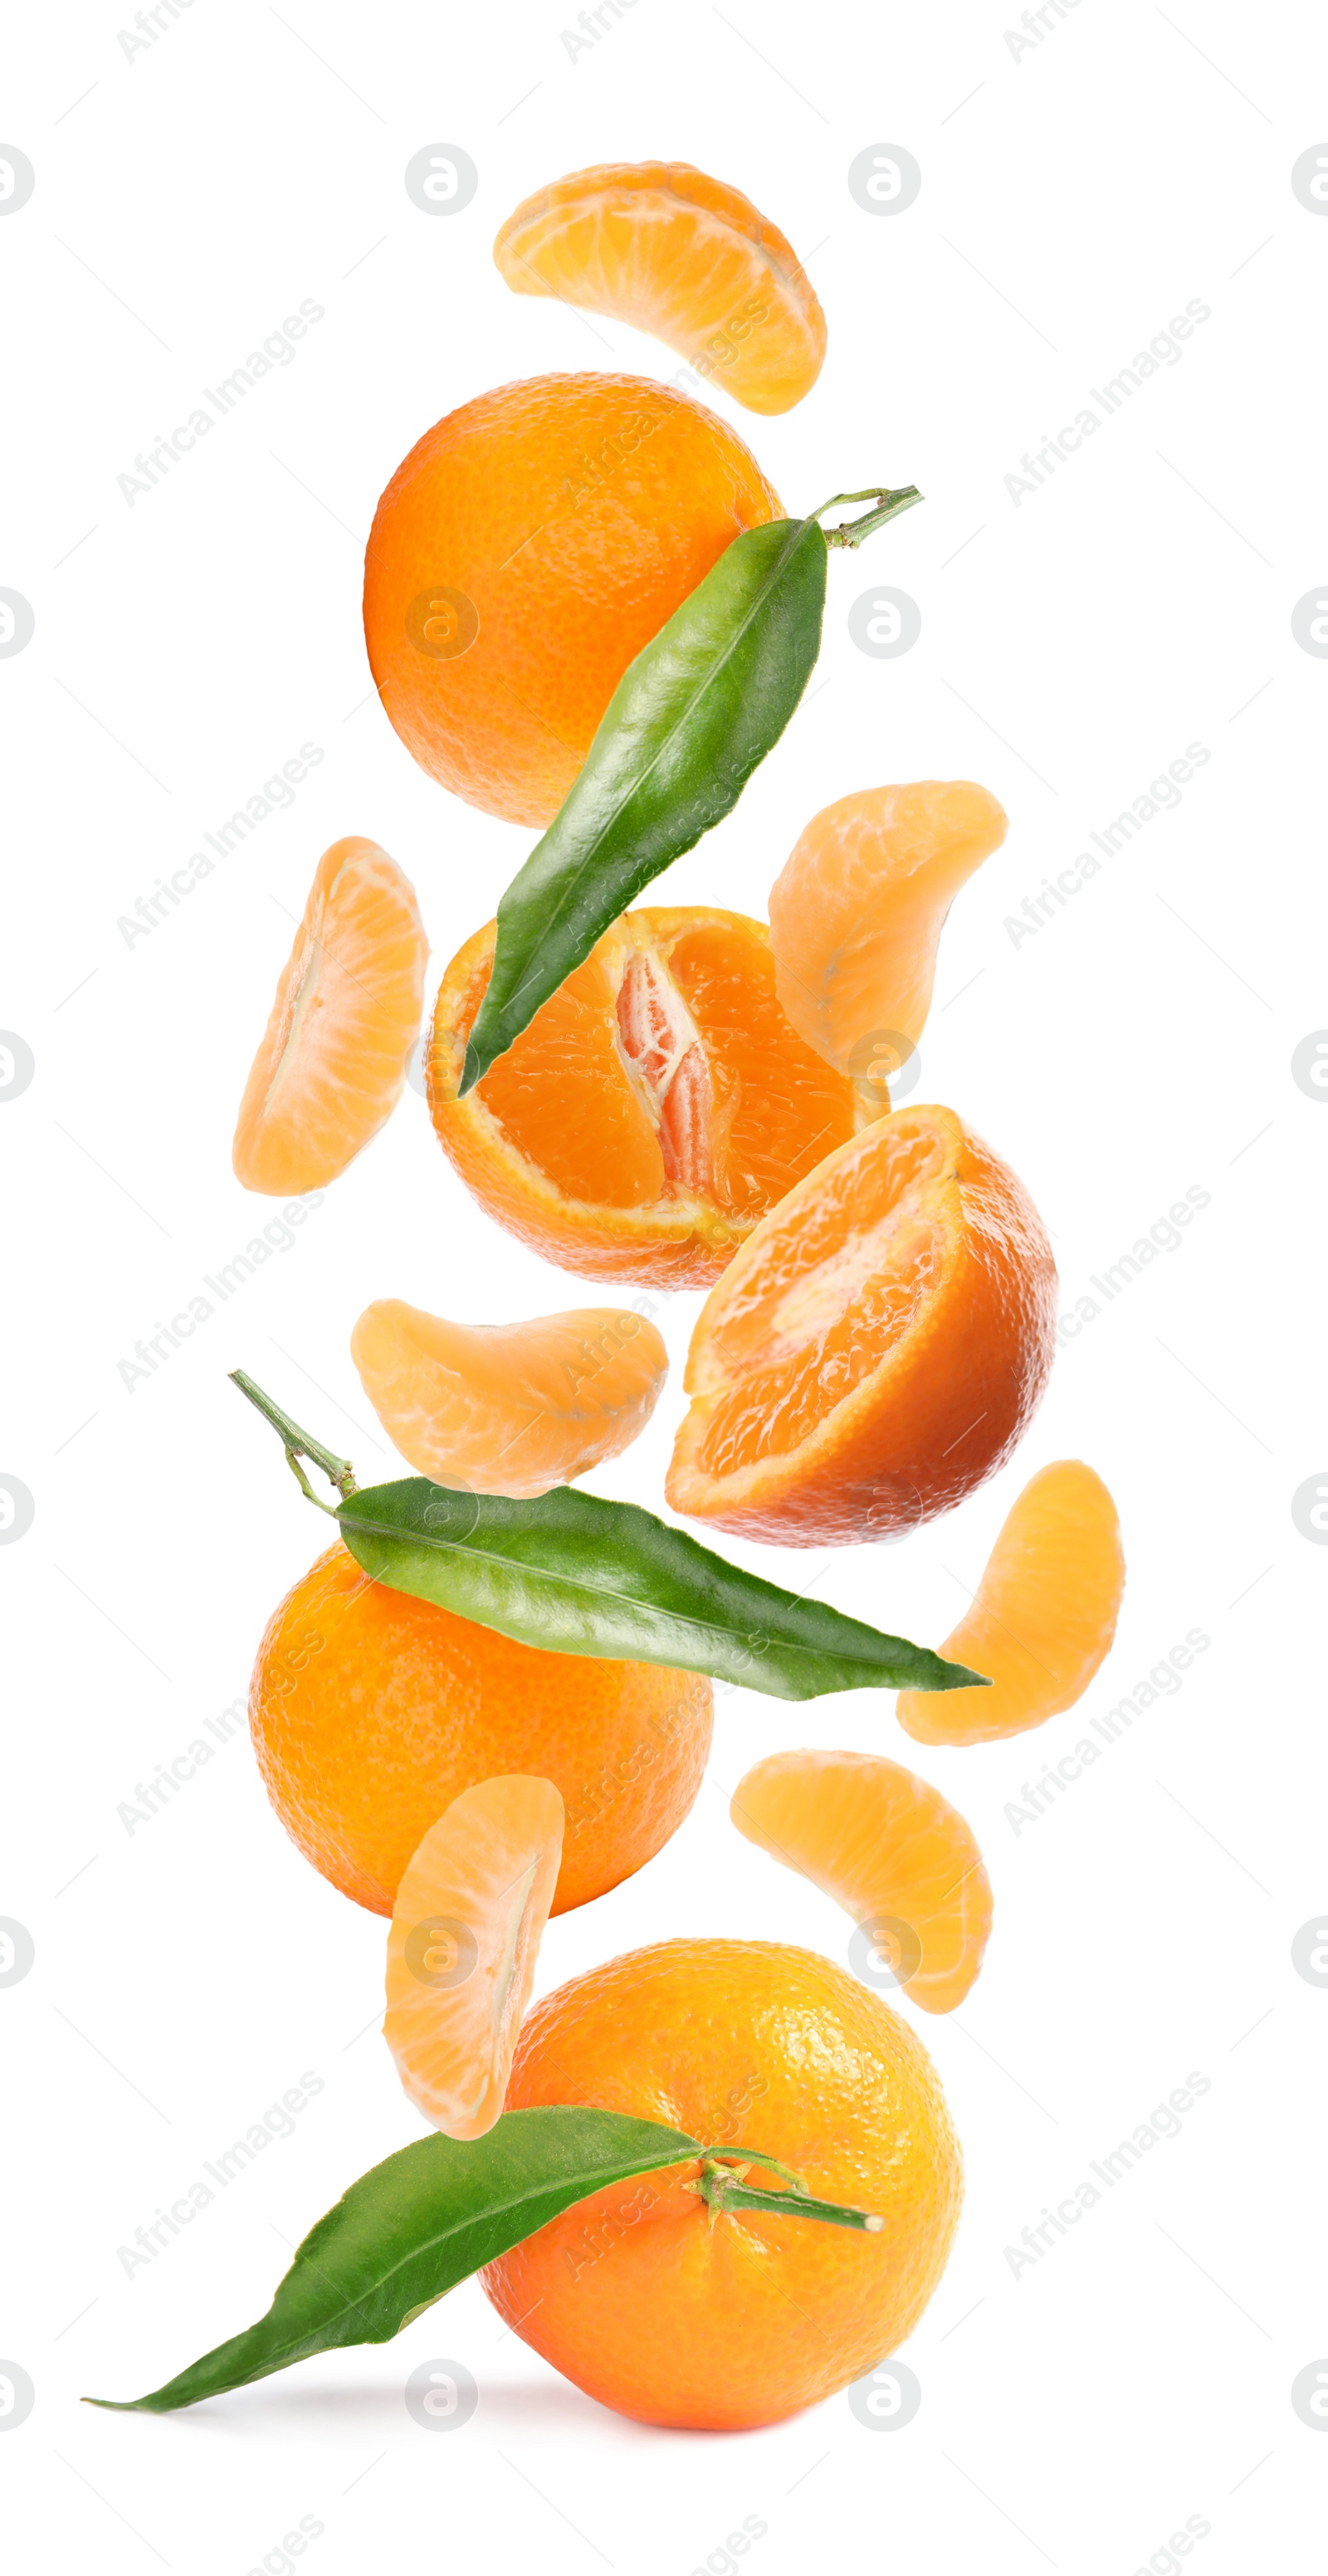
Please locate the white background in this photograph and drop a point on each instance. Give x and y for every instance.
(1073, 200)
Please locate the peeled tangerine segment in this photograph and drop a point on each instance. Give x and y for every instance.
(889, 1849)
(509, 1408)
(1042, 1618)
(857, 914)
(466, 1929)
(347, 1013)
(683, 256)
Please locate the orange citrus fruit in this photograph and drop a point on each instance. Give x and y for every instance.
(521, 556)
(655, 1108)
(890, 1849)
(683, 256)
(673, 2313)
(1042, 1619)
(509, 1408)
(856, 916)
(461, 1955)
(371, 1711)
(333, 1059)
(875, 1348)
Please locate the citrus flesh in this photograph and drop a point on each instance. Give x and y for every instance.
(1042, 1619)
(683, 256)
(461, 1954)
(522, 555)
(636, 2295)
(856, 915)
(509, 1408)
(890, 1849)
(658, 1104)
(332, 1063)
(371, 1711)
(875, 1348)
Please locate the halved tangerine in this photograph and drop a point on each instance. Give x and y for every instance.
(333, 1059)
(466, 1929)
(1042, 1618)
(890, 1849)
(875, 1348)
(683, 256)
(509, 1408)
(658, 1104)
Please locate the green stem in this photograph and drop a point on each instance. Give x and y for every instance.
(722, 2188)
(299, 1444)
(855, 532)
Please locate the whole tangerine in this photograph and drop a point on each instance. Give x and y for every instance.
(371, 1710)
(678, 2314)
(524, 552)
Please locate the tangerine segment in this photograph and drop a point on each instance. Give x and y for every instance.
(857, 914)
(889, 1848)
(1042, 1618)
(466, 1929)
(509, 1408)
(334, 1054)
(371, 1711)
(658, 1104)
(875, 1348)
(641, 2300)
(523, 554)
(661, 245)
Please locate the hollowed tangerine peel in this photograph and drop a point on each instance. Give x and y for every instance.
(332, 1063)
(1042, 1619)
(884, 1844)
(857, 913)
(462, 1951)
(686, 257)
(509, 1408)
(875, 1348)
(658, 1104)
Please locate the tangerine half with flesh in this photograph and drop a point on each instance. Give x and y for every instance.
(875, 1348)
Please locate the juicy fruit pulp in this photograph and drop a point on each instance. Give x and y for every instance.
(523, 553)
(509, 1408)
(1042, 1618)
(372, 1710)
(635, 2295)
(461, 1955)
(661, 245)
(889, 1848)
(857, 914)
(333, 1060)
(658, 1104)
(876, 1347)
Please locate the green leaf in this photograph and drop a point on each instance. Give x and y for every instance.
(416, 2225)
(689, 721)
(580, 1575)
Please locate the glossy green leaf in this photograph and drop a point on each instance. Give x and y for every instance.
(410, 2229)
(580, 1575)
(689, 721)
